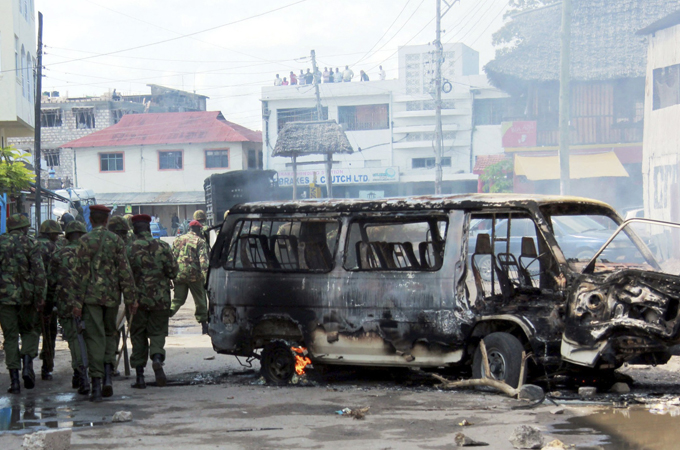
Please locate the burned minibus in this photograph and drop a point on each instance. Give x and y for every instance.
(419, 282)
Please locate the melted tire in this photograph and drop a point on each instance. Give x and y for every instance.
(277, 363)
(505, 358)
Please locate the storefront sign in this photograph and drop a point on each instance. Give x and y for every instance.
(519, 134)
(342, 176)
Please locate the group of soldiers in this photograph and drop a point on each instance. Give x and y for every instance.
(82, 278)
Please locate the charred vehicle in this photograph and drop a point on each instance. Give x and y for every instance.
(400, 282)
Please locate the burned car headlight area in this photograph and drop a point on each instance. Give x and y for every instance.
(634, 312)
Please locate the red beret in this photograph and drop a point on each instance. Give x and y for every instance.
(100, 208)
(141, 218)
(195, 223)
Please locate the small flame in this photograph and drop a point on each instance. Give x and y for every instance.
(301, 361)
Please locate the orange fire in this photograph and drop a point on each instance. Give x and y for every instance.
(301, 361)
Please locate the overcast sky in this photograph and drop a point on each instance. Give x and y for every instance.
(246, 44)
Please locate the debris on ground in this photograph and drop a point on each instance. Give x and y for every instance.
(48, 440)
(122, 416)
(358, 413)
(209, 358)
(620, 388)
(464, 441)
(531, 392)
(526, 436)
(555, 445)
(557, 411)
(465, 423)
(587, 391)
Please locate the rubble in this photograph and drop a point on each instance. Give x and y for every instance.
(122, 416)
(358, 413)
(555, 445)
(465, 423)
(48, 440)
(464, 441)
(531, 392)
(587, 392)
(620, 388)
(526, 436)
(557, 411)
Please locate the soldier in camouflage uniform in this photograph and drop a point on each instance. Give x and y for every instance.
(154, 267)
(104, 255)
(191, 253)
(50, 231)
(131, 235)
(201, 218)
(22, 298)
(120, 226)
(63, 276)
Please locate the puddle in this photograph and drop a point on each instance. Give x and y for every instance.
(26, 417)
(184, 329)
(634, 428)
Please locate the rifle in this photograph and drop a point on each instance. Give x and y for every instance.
(80, 327)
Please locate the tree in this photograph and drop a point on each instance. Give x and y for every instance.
(14, 176)
(510, 34)
(498, 177)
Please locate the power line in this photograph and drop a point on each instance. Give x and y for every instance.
(386, 31)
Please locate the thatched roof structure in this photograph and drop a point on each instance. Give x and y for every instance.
(604, 43)
(311, 138)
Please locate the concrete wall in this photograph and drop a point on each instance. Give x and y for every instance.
(661, 148)
(17, 87)
(141, 173)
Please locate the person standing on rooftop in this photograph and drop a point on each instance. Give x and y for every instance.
(347, 75)
(277, 82)
(293, 78)
(381, 74)
(327, 75)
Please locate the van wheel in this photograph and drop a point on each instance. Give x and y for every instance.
(277, 364)
(505, 358)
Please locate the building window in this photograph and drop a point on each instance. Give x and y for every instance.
(22, 68)
(428, 163)
(52, 158)
(364, 117)
(298, 115)
(666, 86)
(17, 64)
(493, 111)
(111, 162)
(84, 118)
(217, 159)
(170, 160)
(252, 159)
(50, 118)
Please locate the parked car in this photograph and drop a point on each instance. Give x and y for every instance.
(158, 231)
(397, 282)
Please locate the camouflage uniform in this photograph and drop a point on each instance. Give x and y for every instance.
(200, 216)
(22, 294)
(110, 275)
(153, 266)
(64, 274)
(191, 252)
(120, 226)
(49, 320)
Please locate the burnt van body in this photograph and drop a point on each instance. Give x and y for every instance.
(419, 281)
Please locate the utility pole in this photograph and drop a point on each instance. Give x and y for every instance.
(439, 57)
(38, 97)
(565, 92)
(319, 117)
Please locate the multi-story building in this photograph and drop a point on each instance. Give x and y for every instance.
(390, 125)
(17, 60)
(156, 163)
(64, 119)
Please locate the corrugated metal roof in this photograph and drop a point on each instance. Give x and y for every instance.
(168, 128)
(484, 161)
(152, 198)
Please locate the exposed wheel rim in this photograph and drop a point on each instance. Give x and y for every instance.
(485, 269)
(280, 364)
(497, 365)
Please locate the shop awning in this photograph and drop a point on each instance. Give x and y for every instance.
(152, 198)
(537, 168)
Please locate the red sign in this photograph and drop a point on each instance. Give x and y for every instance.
(519, 134)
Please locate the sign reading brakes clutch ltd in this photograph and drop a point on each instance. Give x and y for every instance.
(367, 175)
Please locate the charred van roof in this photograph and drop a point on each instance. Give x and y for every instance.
(423, 203)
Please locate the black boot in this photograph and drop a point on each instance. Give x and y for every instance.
(28, 374)
(157, 365)
(45, 373)
(204, 327)
(96, 395)
(83, 382)
(107, 390)
(15, 385)
(75, 380)
(140, 383)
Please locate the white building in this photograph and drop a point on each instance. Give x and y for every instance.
(661, 145)
(390, 125)
(17, 60)
(157, 163)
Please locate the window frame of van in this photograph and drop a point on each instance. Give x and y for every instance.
(226, 251)
(436, 215)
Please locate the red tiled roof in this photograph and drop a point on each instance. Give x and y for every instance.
(168, 128)
(484, 161)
